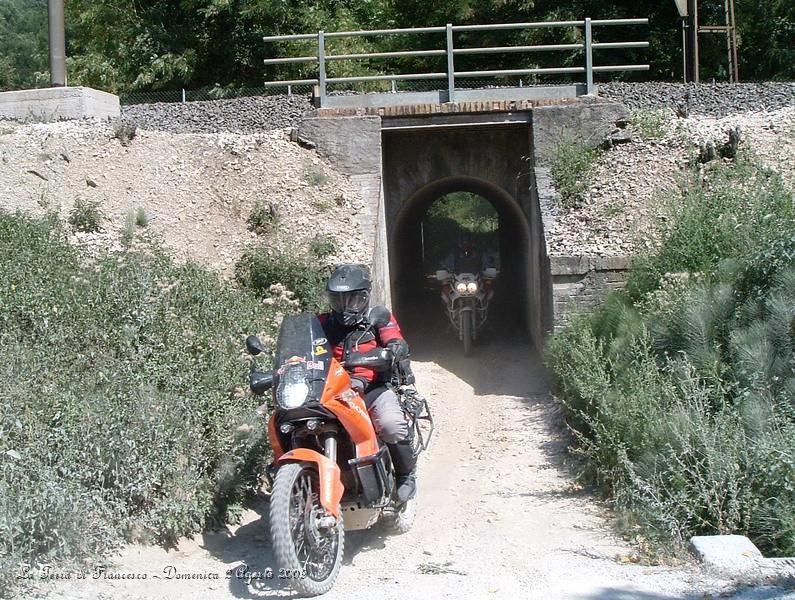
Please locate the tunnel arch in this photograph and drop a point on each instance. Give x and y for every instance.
(494, 162)
(514, 231)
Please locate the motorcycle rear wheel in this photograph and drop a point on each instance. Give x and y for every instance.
(309, 554)
(466, 333)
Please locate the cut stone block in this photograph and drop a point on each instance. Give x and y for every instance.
(729, 554)
(58, 103)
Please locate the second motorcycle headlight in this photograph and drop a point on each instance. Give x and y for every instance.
(461, 287)
(472, 287)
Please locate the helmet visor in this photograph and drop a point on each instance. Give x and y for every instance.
(349, 302)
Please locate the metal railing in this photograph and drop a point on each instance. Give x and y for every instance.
(587, 45)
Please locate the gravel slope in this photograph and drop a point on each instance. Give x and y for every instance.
(198, 190)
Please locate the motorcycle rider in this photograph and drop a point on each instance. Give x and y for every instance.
(346, 328)
(464, 258)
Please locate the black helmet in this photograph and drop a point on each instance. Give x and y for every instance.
(348, 289)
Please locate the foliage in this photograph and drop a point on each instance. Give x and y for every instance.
(450, 216)
(727, 215)
(120, 415)
(570, 167)
(261, 268)
(650, 123)
(472, 212)
(85, 216)
(141, 218)
(682, 394)
(263, 217)
(322, 247)
(126, 46)
(23, 44)
(315, 175)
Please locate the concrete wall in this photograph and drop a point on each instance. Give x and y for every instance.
(588, 121)
(55, 104)
(353, 146)
(579, 284)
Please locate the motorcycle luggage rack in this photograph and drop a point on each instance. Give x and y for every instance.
(416, 407)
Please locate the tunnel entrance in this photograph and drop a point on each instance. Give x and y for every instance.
(493, 163)
(427, 235)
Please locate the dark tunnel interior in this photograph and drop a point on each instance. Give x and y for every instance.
(416, 297)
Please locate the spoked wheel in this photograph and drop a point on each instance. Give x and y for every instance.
(308, 543)
(466, 333)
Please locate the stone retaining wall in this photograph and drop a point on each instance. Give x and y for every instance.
(581, 283)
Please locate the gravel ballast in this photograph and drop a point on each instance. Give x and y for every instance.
(253, 114)
(709, 99)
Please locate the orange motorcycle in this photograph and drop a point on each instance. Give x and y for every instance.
(331, 471)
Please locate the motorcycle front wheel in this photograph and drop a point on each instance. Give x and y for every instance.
(466, 333)
(308, 550)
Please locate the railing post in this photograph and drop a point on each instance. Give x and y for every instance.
(588, 58)
(450, 65)
(321, 60)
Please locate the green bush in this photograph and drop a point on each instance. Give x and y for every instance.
(122, 397)
(261, 268)
(141, 218)
(731, 215)
(570, 168)
(682, 391)
(322, 247)
(263, 217)
(85, 216)
(650, 123)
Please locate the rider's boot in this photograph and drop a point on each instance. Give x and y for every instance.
(405, 464)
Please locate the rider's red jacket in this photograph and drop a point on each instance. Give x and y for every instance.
(351, 339)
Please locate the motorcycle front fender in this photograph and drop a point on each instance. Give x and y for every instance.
(331, 488)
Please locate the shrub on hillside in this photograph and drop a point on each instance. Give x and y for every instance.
(570, 166)
(682, 392)
(732, 214)
(261, 268)
(122, 397)
(85, 216)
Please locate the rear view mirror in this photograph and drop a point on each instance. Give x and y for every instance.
(254, 345)
(490, 273)
(442, 275)
(379, 316)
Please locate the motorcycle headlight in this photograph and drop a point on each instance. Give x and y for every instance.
(293, 389)
(472, 287)
(461, 287)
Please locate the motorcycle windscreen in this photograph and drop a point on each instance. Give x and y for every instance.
(302, 340)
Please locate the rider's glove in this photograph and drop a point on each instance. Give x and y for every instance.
(399, 348)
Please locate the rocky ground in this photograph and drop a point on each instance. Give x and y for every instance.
(239, 115)
(710, 99)
(197, 190)
(631, 186)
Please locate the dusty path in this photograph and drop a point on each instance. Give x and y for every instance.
(500, 516)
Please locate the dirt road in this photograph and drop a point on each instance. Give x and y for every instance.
(500, 515)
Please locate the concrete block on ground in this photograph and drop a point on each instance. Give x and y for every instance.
(56, 104)
(727, 554)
